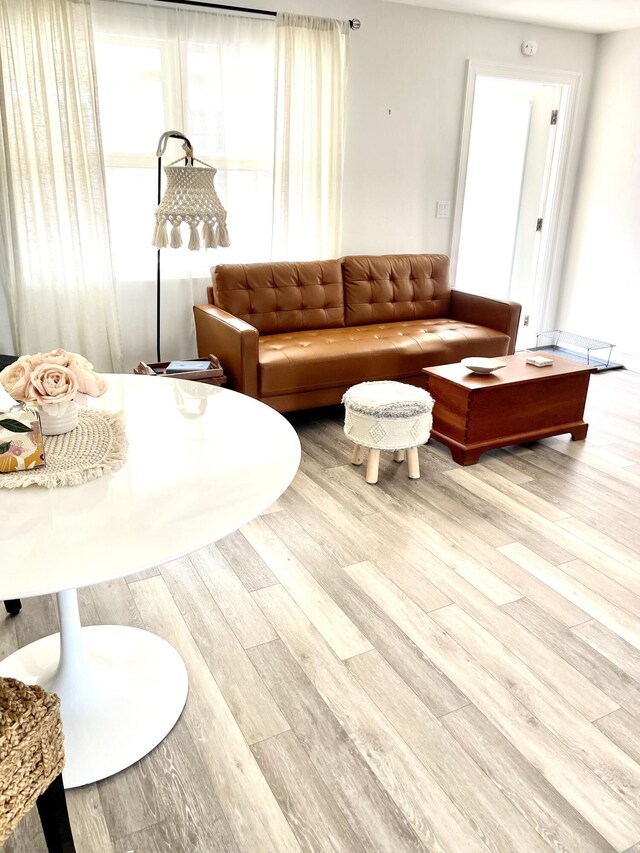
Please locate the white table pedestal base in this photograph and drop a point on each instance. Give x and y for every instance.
(121, 690)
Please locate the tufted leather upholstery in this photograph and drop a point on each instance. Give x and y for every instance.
(303, 361)
(295, 336)
(395, 287)
(282, 297)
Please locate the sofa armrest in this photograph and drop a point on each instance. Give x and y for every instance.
(498, 314)
(233, 341)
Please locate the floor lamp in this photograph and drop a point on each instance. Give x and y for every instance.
(189, 198)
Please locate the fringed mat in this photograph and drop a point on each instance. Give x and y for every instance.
(97, 446)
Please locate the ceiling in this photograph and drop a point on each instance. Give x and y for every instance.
(593, 16)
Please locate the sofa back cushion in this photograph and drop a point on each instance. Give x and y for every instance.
(282, 297)
(384, 288)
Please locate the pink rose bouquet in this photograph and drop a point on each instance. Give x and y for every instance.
(52, 380)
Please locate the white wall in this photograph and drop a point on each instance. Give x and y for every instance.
(412, 61)
(601, 293)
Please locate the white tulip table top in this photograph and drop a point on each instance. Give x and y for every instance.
(201, 462)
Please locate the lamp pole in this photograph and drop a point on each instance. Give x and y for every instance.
(162, 145)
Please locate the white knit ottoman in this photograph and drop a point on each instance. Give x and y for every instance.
(387, 416)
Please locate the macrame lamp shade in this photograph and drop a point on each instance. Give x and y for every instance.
(190, 199)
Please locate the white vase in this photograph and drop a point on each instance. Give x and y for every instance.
(57, 424)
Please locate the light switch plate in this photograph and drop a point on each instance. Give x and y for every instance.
(443, 209)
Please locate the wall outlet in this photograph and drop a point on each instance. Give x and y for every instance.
(443, 209)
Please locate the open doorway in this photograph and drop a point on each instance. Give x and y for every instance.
(516, 135)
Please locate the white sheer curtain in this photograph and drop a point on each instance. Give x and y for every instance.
(232, 86)
(311, 85)
(55, 261)
(210, 76)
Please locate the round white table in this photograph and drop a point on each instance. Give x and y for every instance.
(202, 461)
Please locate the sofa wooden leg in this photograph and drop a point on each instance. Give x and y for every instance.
(413, 463)
(398, 455)
(372, 466)
(357, 457)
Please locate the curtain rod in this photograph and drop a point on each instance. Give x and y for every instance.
(222, 6)
(354, 23)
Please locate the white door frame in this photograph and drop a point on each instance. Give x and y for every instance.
(572, 80)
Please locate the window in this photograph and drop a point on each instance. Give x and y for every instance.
(212, 78)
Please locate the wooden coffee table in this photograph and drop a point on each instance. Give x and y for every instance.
(516, 404)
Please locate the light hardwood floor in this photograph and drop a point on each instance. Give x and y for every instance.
(443, 664)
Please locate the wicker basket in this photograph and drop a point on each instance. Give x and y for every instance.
(31, 749)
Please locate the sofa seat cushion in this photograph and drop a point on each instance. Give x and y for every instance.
(306, 361)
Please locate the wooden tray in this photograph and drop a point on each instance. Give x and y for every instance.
(213, 376)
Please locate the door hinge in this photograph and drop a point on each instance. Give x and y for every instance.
(525, 322)
(554, 116)
(539, 225)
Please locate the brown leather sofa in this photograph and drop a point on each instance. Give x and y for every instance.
(297, 335)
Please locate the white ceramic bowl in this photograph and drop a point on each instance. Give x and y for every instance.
(483, 365)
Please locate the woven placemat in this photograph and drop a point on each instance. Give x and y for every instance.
(97, 446)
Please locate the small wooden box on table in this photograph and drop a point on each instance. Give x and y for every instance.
(474, 413)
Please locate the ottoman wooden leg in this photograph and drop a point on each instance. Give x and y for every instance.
(413, 463)
(357, 457)
(372, 466)
(398, 455)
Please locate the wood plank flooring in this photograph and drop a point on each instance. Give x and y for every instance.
(443, 664)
